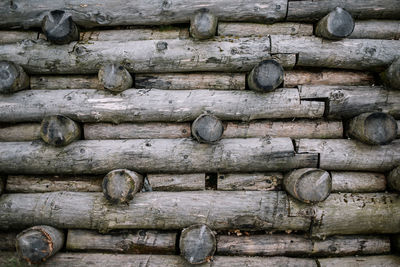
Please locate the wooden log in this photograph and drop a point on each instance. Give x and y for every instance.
(12, 78)
(101, 131)
(351, 155)
(266, 76)
(293, 129)
(293, 78)
(59, 27)
(393, 179)
(383, 260)
(309, 10)
(20, 132)
(38, 243)
(207, 129)
(48, 82)
(298, 245)
(142, 105)
(336, 25)
(8, 240)
(357, 182)
(177, 182)
(115, 78)
(59, 130)
(142, 241)
(255, 210)
(120, 186)
(374, 128)
(376, 29)
(203, 24)
(102, 156)
(391, 76)
(190, 81)
(254, 29)
(197, 244)
(249, 181)
(9, 37)
(308, 185)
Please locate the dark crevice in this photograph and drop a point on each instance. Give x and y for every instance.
(211, 181)
(178, 237)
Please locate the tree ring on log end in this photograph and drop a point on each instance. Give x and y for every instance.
(115, 78)
(394, 179)
(58, 130)
(207, 129)
(59, 27)
(12, 78)
(391, 76)
(120, 186)
(203, 25)
(336, 25)
(197, 244)
(266, 76)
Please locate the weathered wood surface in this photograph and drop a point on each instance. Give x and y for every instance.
(197, 244)
(203, 24)
(50, 82)
(254, 29)
(59, 130)
(311, 10)
(265, 76)
(177, 182)
(393, 179)
(293, 129)
(170, 156)
(336, 25)
(351, 155)
(361, 182)
(7, 240)
(20, 132)
(249, 181)
(298, 245)
(142, 105)
(140, 241)
(350, 101)
(12, 77)
(384, 260)
(376, 29)
(115, 78)
(59, 27)
(121, 185)
(9, 37)
(100, 131)
(391, 76)
(207, 129)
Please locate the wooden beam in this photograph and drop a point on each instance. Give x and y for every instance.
(384, 260)
(255, 29)
(20, 132)
(177, 182)
(357, 182)
(376, 29)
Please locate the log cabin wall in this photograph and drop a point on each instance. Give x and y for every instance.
(217, 133)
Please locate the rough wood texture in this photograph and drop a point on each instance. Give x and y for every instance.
(100, 131)
(351, 155)
(203, 24)
(384, 260)
(393, 179)
(249, 181)
(391, 76)
(376, 29)
(141, 241)
(266, 76)
(38, 243)
(65, 82)
(120, 186)
(254, 29)
(142, 105)
(59, 27)
(360, 182)
(12, 78)
(177, 182)
(197, 244)
(207, 129)
(336, 25)
(190, 81)
(115, 78)
(7, 240)
(297, 245)
(20, 132)
(293, 129)
(102, 156)
(9, 37)
(59, 130)
(374, 128)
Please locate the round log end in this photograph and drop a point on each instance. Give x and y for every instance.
(120, 186)
(203, 25)
(115, 77)
(394, 179)
(12, 78)
(207, 129)
(197, 244)
(38, 243)
(58, 130)
(266, 76)
(391, 77)
(337, 24)
(59, 27)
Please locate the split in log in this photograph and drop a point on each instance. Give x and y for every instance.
(101, 131)
(177, 182)
(38, 243)
(142, 105)
(59, 130)
(203, 24)
(120, 186)
(197, 244)
(249, 181)
(9, 37)
(59, 27)
(20, 132)
(254, 29)
(391, 76)
(8, 240)
(308, 185)
(376, 29)
(376, 128)
(141, 241)
(12, 78)
(207, 129)
(115, 78)
(384, 260)
(65, 82)
(351, 155)
(357, 182)
(336, 25)
(393, 179)
(266, 76)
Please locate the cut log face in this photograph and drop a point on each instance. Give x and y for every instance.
(59, 130)
(394, 179)
(115, 77)
(391, 76)
(207, 129)
(374, 128)
(266, 76)
(59, 27)
(336, 25)
(197, 244)
(119, 186)
(38, 243)
(308, 184)
(12, 78)
(203, 25)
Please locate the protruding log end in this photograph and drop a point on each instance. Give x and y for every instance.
(393, 179)
(119, 186)
(12, 78)
(115, 77)
(308, 184)
(59, 27)
(266, 76)
(197, 244)
(38, 243)
(58, 130)
(374, 128)
(207, 129)
(391, 77)
(336, 25)
(203, 25)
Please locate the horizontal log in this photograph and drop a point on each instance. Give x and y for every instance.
(351, 155)
(361, 182)
(20, 132)
(142, 105)
(254, 29)
(141, 241)
(376, 29)
(249, 181)
(384, 260)
(297, 245)
(9, 37)
(177, 182)
(48, 82)
(7, 240)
